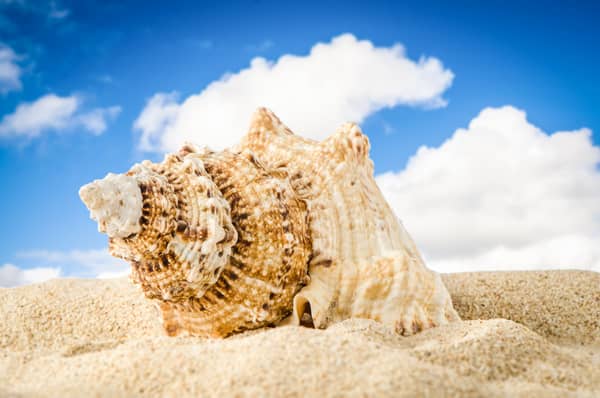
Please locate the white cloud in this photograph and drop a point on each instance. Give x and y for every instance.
(47, 112)
(97, 263)
(11, 275)
(564, 251)
(95, 120)
(159, 114)
(502, 194)
(54, 264)
(52, 112)
(343, 80)
(10, 71)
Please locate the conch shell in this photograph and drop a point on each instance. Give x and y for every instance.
(279, 229)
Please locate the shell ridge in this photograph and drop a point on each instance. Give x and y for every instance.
(233, 305)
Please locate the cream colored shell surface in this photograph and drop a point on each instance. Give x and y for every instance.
(364, 263)
(279, 226)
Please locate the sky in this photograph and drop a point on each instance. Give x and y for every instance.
(483, 116)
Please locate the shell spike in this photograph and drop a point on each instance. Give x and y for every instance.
(264, 120)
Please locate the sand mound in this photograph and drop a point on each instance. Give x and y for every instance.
(72, 312)
(91, 337)
(563, 306)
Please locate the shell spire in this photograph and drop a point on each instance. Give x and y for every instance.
(278, 227)
(169, 220)
(115, 202)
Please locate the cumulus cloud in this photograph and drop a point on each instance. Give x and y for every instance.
(345, 79)
(159, 114)
(11, 275)
(52, 112)
(10, 71)
(502, 194)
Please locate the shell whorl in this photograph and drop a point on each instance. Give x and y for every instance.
(268, 263)
(183, 234)
(221, 242)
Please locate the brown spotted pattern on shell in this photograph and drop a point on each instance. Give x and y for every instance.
(279, 225)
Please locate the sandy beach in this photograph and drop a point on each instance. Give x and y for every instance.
(534, 334)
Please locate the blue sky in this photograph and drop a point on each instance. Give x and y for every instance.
(110, 58)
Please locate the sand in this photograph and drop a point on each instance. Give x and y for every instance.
(75, 337)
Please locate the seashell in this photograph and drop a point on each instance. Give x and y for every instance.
(279, 229)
